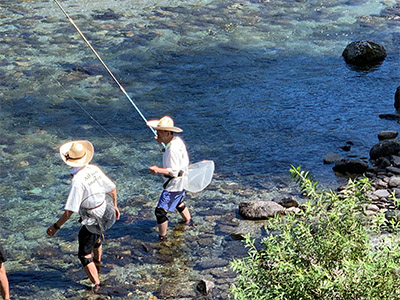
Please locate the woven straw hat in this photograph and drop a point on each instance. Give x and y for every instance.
(165, 123)
(77, 153)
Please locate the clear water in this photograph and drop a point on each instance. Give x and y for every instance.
(257, 86)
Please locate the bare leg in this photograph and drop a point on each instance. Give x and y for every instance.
(97, 253)
(4, 287)
(162, 228)
(91, 271)
(185, 213)
(97, 257)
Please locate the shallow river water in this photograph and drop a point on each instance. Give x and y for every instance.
(257, 86)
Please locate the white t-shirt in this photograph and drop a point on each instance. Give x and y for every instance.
(89, 187)
(175, 159)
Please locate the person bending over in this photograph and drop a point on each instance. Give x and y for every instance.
(88, 183)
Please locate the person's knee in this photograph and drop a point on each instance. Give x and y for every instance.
(98, 244)
(161, 215)
(85, 259)
(181, 207)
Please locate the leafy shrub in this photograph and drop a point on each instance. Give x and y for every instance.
(324, 252)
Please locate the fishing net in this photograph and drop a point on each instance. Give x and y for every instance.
(198, 176)
(98, 213)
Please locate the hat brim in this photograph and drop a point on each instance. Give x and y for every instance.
(80, 162)
(154, 124)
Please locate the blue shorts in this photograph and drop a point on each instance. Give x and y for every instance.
(169, 200)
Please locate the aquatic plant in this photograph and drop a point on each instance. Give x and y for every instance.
(330, 250)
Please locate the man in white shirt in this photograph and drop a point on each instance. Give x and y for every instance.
(88, 190)
(175, 163)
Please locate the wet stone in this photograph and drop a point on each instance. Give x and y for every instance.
(381, 193)
(211, 263)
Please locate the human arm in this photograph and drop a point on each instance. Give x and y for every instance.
(57, 225)
(113, 195)
(158, 170)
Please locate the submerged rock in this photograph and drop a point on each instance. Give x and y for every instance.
(259, 210)
(205, 287)
(364, 53)
(331, 158)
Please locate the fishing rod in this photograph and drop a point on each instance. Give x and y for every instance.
(104, 65)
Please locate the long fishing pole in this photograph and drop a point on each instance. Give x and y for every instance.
(104, 65)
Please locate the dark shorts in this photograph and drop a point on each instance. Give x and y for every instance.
(169, 200)
(87, 241)
(3, 256)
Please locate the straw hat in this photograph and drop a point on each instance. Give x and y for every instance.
(77, 153)
(165, 123)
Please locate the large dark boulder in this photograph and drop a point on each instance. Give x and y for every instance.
(259, 210)
(385, 148)
(397, 99)
(351, 166)
(364, 53)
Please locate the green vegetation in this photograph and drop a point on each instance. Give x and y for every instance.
(324, 252)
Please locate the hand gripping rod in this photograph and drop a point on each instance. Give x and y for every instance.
(104, 65)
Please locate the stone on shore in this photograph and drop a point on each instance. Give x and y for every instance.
(387, 135)
(385, 148)
(351, 166)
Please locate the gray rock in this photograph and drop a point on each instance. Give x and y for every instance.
(396, 192)
(387, 135)
(331, 158)
(372, 207)
(395, 160)
(381, 193)
(394, 170)
(364, 53)
(372, 197)
(213, 262)
(380, 184)
(259, 210)
(394, 182)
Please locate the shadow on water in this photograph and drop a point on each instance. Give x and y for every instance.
(26, 282)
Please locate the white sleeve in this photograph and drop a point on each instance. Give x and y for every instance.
(74, 198)
(179, 159)
(107, 183)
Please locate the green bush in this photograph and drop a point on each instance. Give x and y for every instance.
(324, 252)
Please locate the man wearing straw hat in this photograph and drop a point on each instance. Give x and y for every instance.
(4, 287)
(88, 182)
(175, 163)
